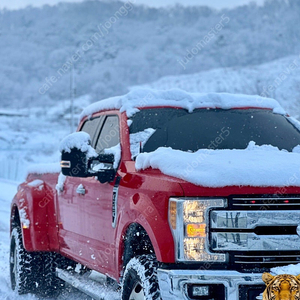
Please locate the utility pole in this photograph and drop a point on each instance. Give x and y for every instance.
(72, 97)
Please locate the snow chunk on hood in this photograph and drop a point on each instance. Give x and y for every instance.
(254, 166)
(80, 140)
(141, 97)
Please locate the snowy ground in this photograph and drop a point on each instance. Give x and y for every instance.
(8, 189)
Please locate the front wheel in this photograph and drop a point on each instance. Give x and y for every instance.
(32, 272)
(140, 280)
(23, 268)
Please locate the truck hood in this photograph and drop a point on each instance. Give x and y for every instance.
(255, 166)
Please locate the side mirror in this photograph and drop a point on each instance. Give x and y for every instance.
(75, 153)
(79, 159)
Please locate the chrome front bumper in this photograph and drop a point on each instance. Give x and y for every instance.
(172, 282)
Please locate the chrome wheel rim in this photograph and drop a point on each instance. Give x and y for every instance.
(137, 292)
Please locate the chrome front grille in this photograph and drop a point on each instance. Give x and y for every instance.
(239, 221)
(257, 232)
(267, 259)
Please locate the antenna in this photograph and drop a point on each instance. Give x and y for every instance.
(72, 97)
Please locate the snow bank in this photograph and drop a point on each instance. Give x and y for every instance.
(43, 168)
(289, 269)
(255, 166)
(81, 141)
(141, 97)
(8, 190)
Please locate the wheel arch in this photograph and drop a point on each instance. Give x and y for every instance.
(154, 238)
(136, 242)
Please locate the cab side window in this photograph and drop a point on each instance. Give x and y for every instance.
(109, 135)
(92, 127)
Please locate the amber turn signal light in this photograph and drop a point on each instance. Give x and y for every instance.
(172, 214)
(196, 230)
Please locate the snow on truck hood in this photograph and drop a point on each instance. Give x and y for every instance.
(257, 166)
(141, 97)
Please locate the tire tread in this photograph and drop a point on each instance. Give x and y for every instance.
(144, 267)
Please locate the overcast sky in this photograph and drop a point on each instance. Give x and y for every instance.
(15, 4)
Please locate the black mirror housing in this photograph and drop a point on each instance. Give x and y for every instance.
(77, 164)
(79, 159)
(74, 163)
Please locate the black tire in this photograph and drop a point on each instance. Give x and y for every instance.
(140, 279)
(49, 284)
(23, 267)
(32, 272)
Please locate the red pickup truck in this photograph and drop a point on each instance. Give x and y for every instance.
(167, 194)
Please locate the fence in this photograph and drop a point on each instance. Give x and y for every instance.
(13, 166)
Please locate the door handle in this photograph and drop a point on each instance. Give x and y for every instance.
(80, 190)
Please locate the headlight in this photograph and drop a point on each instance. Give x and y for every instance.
(188, 220)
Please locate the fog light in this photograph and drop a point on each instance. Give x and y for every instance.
(201, 290)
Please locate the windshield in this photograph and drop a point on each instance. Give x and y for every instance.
(213, 129)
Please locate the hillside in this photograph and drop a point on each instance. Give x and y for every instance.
(113, 45)
(279, 79)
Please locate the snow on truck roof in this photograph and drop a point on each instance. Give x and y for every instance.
(142, 97)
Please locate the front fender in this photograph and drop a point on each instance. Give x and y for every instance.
(159, 232)
(147, 206)
(32, 206)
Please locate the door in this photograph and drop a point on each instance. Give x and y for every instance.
(93, 242)
(96, 206)
(68, 205)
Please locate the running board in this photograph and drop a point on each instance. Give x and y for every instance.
(85, 283)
